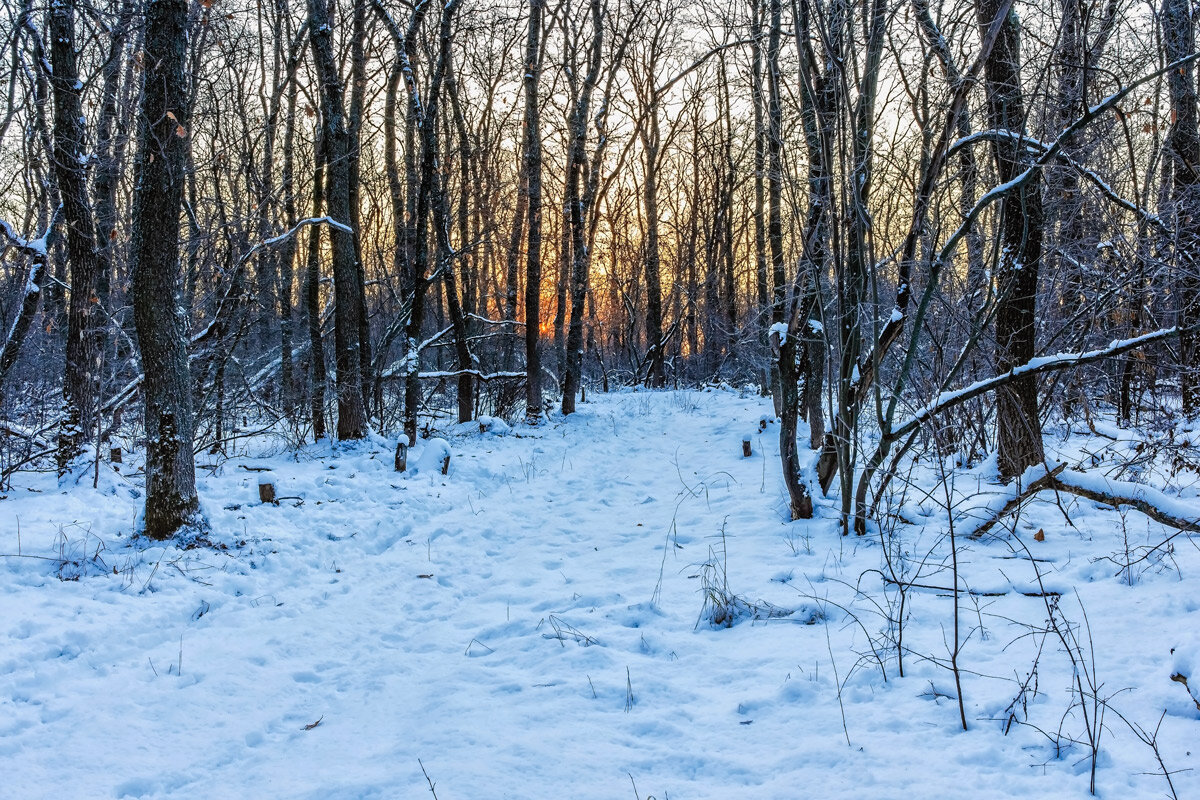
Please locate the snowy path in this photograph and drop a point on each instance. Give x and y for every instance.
(517, 627)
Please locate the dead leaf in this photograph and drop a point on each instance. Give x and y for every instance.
(1040, 536)
(312, 725)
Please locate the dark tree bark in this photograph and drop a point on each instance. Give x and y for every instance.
(818, 90)
(416, 238)
(762, 277)
(456, 267)
(31, 292)
(579, 198)
(84, 317)
(774, 205)
(396, 194)
(1179, 41)
(171, 502)
(431, 176)
(354, 123)
(532, 149)
(318, 377)
(287, 256)
(651, 135)
(348, 310)
(784, 336)
(1018, 428)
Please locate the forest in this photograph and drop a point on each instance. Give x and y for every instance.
(904, 279)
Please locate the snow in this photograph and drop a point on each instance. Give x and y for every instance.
(549, 619)
(431, 456)
(781, 330)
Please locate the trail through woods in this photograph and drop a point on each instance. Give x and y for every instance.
(538, 623)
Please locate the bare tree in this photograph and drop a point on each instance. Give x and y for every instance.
(1179, 42)
(171, 502)
(348, 310)
(532, 187)
(1018, 426)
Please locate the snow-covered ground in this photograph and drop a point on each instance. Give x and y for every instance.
(537, 624)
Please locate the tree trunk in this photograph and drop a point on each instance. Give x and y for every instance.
(312, 296)
(1018, 427)
(579, 199)
(785, 337)
(348, 310)
(533, 189)
(1179, 41)
(656, 376)
(84, 317)
(171, 501)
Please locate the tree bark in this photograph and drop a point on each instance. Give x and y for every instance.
(579, 200)
(348, 310)
(533, 220)
(171, 502)
(318, 377)
(1018, 427)
(84, 318)
(1179, 41)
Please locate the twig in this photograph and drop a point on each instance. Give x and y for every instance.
(428, 780)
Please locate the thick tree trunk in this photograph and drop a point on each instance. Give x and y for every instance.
(171, 501)
(1179, 41)
(1018, 427)
(347, 284)
(84, 317)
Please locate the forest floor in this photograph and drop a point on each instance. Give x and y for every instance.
(548, 621)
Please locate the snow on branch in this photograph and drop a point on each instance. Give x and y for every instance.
(1051, 151)
(947, 400)
(1154, 503)
(218, 315)
(483, 376)
(36, 249)
(283, 237)
(487, 321)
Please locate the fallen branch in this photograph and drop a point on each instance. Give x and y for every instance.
(1046, 481)
(1155, 504)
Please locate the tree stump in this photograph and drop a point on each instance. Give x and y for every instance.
(746, 451)
(114, 455)
(266, 490)
(401, 456)
(446, 464)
